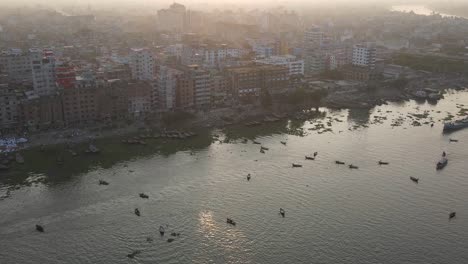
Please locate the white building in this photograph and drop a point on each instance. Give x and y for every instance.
(43, 71)
(141, 64)
(165, 86)
(172, 19)
(364, 55)
(295, 66)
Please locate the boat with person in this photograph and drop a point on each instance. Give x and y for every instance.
(102, 182)
(295, 165)
(283, 142)
(137, 212)
(282, 212)
(414, 179)
(383, 162)
(133, 254)
(40, 228)
(351, 166)
(339, 162)
(309, 158)
(230, 221)
(161, 230)
(442, 163)
(452, 215)
(144, 196)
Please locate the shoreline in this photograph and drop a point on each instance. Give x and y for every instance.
(214, 119)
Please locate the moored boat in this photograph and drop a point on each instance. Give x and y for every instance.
(295, 165)
(456, 125)
(442, 163)
(416, 180)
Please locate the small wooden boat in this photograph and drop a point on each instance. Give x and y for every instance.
(416, 180)
(283, 142)
(452, 215)
(309, 158)
(295, 165)
(40, 228)
(161, 230)
(282, 212)
(256, 142)
(383, 162)
(169, 240)
(102, 182)
(230, 221)
(351, 166)
(441, 163)
(133, 254)
(264, 148)
(137, 212)
(453, 140)
(339, 162)
(144, 196)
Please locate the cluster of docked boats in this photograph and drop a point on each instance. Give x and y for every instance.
(139, 140)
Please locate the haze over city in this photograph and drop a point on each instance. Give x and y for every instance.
(205, 131)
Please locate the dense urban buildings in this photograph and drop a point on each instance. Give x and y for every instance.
(85, 68)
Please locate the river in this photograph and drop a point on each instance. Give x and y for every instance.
(419, 10)
(374, 214)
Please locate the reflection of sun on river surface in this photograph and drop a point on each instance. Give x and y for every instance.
(222, 236)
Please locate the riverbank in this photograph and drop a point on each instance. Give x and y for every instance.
(359, 97)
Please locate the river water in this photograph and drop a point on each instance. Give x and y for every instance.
(418, 9)
(374, 214)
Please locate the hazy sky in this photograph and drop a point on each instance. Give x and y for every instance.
(189, 3)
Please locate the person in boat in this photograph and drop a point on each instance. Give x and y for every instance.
(452, 215)
(248, 177)
(40, 228)
(161, 230)
(137, 212)
(315, 154)
(282, 212)
(444, 154)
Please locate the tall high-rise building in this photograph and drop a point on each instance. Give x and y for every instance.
(173, 19)
(164, 89)
(364, 55)
(43, 71)
(141, 64)
(314, 50)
